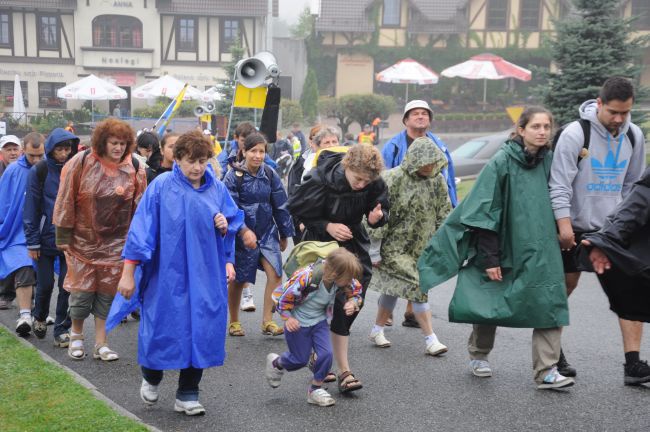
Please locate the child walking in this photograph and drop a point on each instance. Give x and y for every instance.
(305, 302)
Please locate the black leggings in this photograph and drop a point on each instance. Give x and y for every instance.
(188, 381)
(341, 323)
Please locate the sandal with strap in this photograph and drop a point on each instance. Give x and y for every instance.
(81, 352)
(235, 329)
(348, 383)
(270, 328)
(330, 377)
(105, 355)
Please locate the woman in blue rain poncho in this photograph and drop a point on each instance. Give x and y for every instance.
(182, 242)
(258, 191)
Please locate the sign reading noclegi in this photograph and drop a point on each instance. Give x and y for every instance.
(122, 3)
(117, 60)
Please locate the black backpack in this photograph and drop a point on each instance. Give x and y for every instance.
(586, 132)
(41, 167)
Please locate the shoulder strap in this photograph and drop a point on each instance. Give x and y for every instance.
(316, 276)
(83, 158)
(630, 136)
(239, 180)
(395, 153)
(586, 132)
(136, 163)
(41, 172)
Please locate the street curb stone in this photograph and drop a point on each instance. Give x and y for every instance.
(84, 382)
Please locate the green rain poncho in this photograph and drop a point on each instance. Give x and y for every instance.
(510, 197)
(418, 207)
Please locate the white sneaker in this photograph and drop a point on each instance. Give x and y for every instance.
(247, 304)
(148, 392)
(435, 349)
(190, 408)
(320, 397)
(24, 325)
(553, 380)
(49, 320)
(480, 368)
(273, 374)
(379, 339)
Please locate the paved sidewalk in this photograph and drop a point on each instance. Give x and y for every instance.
(404, 389)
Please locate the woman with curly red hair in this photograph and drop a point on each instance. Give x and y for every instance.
(99, 191)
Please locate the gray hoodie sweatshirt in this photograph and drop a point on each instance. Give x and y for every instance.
(589, 191)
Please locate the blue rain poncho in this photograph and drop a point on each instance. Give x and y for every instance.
(264, 202)
(181, 280)
(13, 246)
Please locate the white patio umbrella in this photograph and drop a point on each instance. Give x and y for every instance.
(19, 102)
(165, 86)
(212, 94)
(92, 88)
(407, 71)
(487, 67)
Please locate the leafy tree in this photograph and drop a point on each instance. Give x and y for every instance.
(360, 108)
(291, 112)
(227, 88)
(309, 97)
(591, 45)
(305, 25)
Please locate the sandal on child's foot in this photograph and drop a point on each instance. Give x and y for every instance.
(330, 377)
(235, 329)
(347, 382)
(76, 351)
(270, 328)
(104, 353)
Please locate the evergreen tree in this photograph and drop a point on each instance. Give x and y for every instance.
(591, 45)
(309, 97)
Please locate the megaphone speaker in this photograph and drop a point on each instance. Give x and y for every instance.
(199, 111)
(209, 106)
(252, 72)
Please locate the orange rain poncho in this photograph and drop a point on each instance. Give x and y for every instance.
(96, 200)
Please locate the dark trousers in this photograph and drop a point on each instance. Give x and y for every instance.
(188, 382)
(301, 343)
(44, 289)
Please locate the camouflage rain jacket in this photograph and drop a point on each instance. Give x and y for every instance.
(419, 205)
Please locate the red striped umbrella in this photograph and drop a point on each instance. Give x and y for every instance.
(407, 71)
(487, 67)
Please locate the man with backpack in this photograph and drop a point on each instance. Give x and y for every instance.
(42, 188)
(597, 159)
(417, 118)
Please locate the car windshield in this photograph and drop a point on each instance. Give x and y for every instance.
(469, 149)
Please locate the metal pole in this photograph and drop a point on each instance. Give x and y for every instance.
(484, 93)
(232, 106)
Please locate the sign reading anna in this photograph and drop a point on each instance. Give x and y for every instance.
(122, 3)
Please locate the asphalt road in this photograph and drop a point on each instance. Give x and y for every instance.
(404, 389)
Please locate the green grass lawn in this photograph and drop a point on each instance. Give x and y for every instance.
(463, 188)
(38, 396)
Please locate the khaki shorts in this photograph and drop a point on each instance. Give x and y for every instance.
(81, 304)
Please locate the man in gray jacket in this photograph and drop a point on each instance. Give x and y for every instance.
(597, 160)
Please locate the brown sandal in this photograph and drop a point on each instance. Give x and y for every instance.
(348, 385)
(80, 349)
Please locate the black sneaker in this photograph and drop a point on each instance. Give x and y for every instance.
(636, 373)
(40, 329)
(564, 368)
(410, 321)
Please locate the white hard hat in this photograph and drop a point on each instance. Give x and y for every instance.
(416, 104)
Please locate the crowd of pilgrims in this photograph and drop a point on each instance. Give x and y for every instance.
(169, 232)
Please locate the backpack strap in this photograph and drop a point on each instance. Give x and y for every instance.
(586, 132)
(316, 277)
(631, 137)
(395, 153)
(41, 172)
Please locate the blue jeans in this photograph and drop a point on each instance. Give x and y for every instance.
(301, 343)
(44, 289)
(188, 381)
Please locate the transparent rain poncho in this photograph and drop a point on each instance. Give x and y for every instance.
(96, 200)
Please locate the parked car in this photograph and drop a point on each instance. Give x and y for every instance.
(470, 158)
